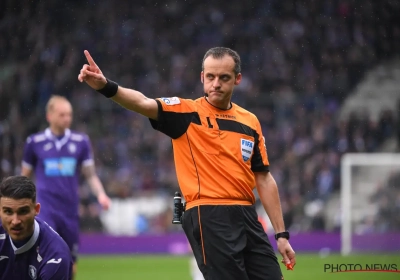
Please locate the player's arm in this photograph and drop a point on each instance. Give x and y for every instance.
(28, 158)
(265, 183)
(93, 180)
(128, 98)
(136, 101)
(59, 268)
(88, 170)
(269, 196)
(95, 184)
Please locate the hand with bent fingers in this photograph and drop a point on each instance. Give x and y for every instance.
(91, 74)
(289, 256)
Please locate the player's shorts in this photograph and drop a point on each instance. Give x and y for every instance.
(67, 228)
(229, 242)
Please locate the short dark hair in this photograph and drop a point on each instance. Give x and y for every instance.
(220, 52)
(18, 187)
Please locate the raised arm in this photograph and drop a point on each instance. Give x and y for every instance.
(128, 98)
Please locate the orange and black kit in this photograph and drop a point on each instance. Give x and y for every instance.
(215, 151)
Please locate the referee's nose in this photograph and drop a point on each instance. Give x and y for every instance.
(216, 83)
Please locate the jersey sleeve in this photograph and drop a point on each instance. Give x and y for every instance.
(259, 160)
(29, 156)
(58, 268)
(87, 152)
(174, 116)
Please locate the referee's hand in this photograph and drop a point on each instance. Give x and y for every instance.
(289, 256)
(91, 74)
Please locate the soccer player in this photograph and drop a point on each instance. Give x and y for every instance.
(57, 155)
(29, 248)
(220, 155)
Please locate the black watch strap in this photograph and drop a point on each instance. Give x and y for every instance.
(284, 234)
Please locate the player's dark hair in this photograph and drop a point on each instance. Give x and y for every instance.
(18, 187)
(220, 52)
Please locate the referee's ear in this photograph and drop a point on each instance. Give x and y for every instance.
(238, 79)
(202, 77)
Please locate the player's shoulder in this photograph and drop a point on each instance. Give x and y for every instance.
(244, 113)
(50, 239)
(242, 110)
(36, 137)
(175, 100)
(177, 104)
(199, 101)
(245, 117)
(78, 136)
(46, 230)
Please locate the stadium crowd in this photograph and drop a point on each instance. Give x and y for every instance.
(300, 60)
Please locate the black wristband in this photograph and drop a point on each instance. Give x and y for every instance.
(110, 89)
(284, 234)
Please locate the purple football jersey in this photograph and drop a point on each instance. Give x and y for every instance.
(45, 256)
(57, 163)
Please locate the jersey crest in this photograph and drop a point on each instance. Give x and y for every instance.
(72, 148)
(32, 272)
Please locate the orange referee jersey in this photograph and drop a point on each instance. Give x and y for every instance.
(216, 151)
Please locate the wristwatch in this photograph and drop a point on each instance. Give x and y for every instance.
(284, 234)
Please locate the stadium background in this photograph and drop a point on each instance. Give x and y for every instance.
(303, 63)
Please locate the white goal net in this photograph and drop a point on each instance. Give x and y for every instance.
(370, 203)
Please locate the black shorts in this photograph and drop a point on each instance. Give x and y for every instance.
(229, 243)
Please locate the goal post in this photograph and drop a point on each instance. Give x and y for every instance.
(351, 163)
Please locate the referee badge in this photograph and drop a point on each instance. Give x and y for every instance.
(246, 148)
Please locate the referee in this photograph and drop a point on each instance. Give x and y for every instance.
(220, 155)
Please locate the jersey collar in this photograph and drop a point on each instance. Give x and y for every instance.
(62, 141)
(28, 245)
(212, 107)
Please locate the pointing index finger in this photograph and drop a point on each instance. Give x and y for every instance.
(89, 58)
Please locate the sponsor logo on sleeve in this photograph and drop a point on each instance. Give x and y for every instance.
(55, 261)
(171, 100)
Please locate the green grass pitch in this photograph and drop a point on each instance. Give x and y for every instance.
(156, 267)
